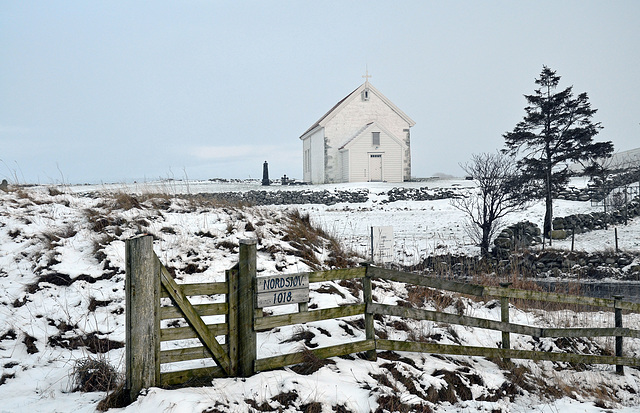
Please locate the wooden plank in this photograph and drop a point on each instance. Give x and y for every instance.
(272, 299)
(590, 332)
(560, 298)
(419, 314)
(200, 289)
(277, 362)
(204, 334)
(426, 281)
(183, 333)
(412, 346)
(194, 377)
(338, 274)
(184, 354)
(478, 290)
(142, 301)
(267, 323)
(282, 282)
(202, 310)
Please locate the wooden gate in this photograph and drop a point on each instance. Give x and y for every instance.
(157, 309)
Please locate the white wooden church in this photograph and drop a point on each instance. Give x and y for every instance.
(363, 138)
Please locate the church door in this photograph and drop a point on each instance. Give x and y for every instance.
(375, 167)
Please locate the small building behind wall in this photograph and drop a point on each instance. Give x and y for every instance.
(363, 138)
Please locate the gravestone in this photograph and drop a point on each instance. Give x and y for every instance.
(4, 185)
(265, 174)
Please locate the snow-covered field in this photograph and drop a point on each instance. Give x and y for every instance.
(62, 291)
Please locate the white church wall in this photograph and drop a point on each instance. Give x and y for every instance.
(348, 120)
(361, 150)
(316, 153)
(306, 160)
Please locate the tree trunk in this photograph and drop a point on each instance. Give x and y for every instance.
(548, 216)
(484, 244)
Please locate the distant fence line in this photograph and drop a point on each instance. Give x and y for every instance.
(231, 338)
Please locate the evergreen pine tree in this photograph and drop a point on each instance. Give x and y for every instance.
(556, 131)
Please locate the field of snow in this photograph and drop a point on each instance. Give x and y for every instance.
(62, 299)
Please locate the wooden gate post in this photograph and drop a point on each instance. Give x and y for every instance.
(247, 351)
(231, 277)
(504, 317)
(618, 324)
(142, 322)
(367, 295)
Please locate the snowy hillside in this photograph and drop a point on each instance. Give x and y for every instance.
(62, 301)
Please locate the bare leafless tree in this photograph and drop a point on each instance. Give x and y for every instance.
(497, 195)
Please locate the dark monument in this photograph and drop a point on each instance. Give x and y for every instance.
(265, 174)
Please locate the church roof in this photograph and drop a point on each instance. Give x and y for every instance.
(315, 125)
(355, 135)
(359, 89)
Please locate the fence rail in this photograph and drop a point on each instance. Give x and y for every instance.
(232, 344)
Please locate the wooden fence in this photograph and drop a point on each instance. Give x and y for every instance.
(153, 298)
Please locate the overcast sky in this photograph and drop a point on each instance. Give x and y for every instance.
(104, 91)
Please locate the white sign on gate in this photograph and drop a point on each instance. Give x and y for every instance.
(382, 244)
(282, 289)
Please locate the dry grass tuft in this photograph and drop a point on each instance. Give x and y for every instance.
(418, 296)
(311, 363)
(126, 201)
(310, 241)
(94, 374)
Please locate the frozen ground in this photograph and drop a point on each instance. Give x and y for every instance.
(420, 228)
(79, 234)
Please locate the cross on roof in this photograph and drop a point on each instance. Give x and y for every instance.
(367, 76)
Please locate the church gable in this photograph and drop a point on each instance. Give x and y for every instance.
(374, 154)
(363, 105)
(348, 132)
(367, 138)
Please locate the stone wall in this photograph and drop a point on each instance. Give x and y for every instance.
(419, 194)
(525, 234)
(258, 197)
(516, 237)
(580, 223)
(284, 197)
(544, 264)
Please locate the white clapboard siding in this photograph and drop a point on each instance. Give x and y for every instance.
(345, 165)
(332, 162)
(361, 148)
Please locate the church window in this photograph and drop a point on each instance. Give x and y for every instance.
(375, 138)
(365, 94)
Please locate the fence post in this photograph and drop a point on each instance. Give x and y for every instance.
(142, 323)
(247, 351)
(618, 324)
(504, 317)
(573, 237)
(367, 295)
(231, 277)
